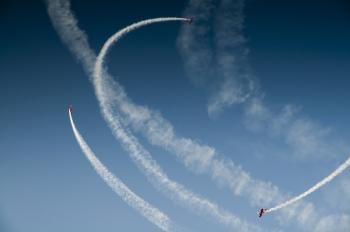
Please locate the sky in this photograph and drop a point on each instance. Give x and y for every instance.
(299, 57)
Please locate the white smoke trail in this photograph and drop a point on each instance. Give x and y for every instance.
(67, 27)
(214, 52)
(194, 44)
(327, 179)
(106, 94)
(237, 84)
(151, 213)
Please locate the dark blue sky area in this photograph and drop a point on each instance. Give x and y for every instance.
(299, 52)
(307, 38)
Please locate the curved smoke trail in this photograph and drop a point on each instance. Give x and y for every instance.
(151, 213)
(327, 179)
(106, 96)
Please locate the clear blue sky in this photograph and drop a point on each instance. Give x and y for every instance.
(300, 52)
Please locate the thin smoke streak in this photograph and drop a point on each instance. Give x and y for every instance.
(152, 214)
(318, 185)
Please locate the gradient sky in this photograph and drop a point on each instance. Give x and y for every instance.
(299, 51)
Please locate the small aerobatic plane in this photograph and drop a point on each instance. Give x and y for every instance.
(261, 212)
(70, 108)
(191, 20)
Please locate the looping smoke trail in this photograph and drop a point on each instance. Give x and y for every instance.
(327, 179)
(151, 213)
(107, 93)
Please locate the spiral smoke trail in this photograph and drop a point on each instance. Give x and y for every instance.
(151, 213)
(327, 179)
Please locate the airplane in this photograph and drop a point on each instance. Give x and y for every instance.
(261, 212)
(70, 108)
(190, 20)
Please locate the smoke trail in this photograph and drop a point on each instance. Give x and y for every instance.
(194, 44)
(67, 27)
(151, 213)
(106, 94)
(237, 83)
(327, 179)
(214, 52)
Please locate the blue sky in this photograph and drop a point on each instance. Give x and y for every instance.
(299, 53)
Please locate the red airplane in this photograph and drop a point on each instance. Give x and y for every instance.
(261, 212)
(190, 20)
(70, 108)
